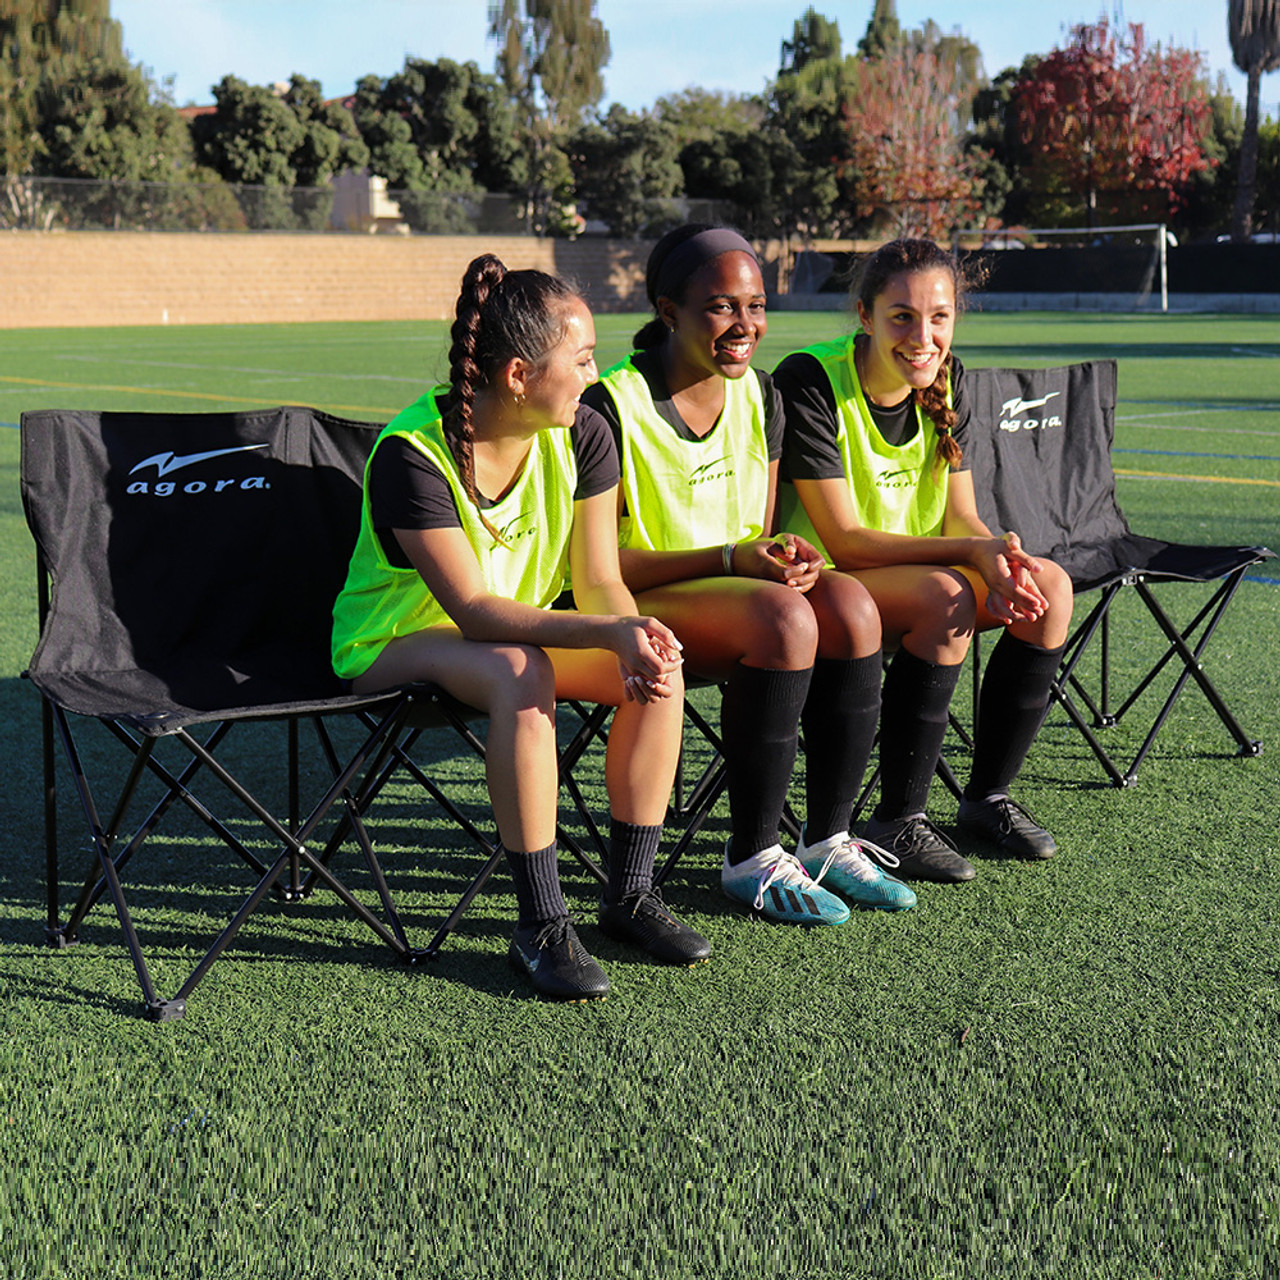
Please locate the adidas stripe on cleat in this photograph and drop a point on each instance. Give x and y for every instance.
(774, 884)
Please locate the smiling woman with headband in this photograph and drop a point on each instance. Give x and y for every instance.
(700, 434)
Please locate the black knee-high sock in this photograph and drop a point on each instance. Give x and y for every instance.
(759, 719)
(1011, 706)
(537, 880)
(913, 723)
(839, 722)
(632, 851)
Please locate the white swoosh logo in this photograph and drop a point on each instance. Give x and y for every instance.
(1011, 408)
(164, 463)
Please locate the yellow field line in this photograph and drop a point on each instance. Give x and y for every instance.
(185, 395)
(1168, 475)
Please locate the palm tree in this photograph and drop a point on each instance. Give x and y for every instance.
(1254, 29)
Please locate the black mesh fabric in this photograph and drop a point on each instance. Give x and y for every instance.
(194, 559)
(1040, 451)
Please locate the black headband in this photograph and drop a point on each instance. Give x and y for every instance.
(690, 254)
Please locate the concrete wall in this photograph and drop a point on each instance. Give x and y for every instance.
(60, 278)
(95, 278)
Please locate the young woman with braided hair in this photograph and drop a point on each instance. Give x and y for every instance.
(795, 646)
(481, 500)
(875, 460)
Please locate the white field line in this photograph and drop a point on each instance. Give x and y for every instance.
(288, 375)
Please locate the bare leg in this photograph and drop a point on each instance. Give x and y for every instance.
(927, 609)
(644, 740)
(515, 685)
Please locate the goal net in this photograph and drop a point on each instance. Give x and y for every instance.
(1132, 260)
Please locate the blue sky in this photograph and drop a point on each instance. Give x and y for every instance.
(660, 46)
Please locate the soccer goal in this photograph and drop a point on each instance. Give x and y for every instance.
(1132, 260)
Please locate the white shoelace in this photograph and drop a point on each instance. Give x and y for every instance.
(789, 871)
(855, 850)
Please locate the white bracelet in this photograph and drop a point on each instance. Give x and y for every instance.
(726, 558)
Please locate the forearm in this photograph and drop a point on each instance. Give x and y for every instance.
(609, 599)
(964, 525)
(643, 570)
(496, 619)
(857, 549)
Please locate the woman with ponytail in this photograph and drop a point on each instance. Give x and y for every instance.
(875, 462)
(481, 500)
(700, 435)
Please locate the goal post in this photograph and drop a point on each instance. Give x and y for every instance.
(1147, 274)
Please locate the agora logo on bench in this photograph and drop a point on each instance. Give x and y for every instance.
(168, 462)
(1011, 411)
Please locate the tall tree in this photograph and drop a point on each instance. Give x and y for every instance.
(758, 175)
(260, 137)
(330, 141)
(1113, 125)
(551, 60)
(955, 51)
(883, 30)
(1254, 30)
(1210, 194)
(1003, 158)
(445, 126)
(626, 172)
(914, 175)
(106, 123)
(43, 43)
(814, 38)
(699, 115)
(807, 109)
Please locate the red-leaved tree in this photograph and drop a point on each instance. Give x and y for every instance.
(905, 126)
(1115, 127)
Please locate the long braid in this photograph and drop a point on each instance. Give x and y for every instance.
(933, 400)
(500, 315)
(466, 377)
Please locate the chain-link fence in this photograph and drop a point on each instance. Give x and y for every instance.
(354, 203)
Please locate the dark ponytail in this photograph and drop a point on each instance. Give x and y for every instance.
(895, 258)
(500, 315)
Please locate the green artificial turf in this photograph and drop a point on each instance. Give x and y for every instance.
(1062, 1069)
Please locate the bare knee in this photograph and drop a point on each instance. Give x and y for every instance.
(521, 680)
(943, 611)
(780, 631)
(848, 620)
(1050, 631)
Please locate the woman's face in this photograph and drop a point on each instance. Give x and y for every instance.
(553, 389)
(716, 329)
(910, 324)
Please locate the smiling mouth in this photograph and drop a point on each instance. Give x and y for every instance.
(922, 360)
(738, 350)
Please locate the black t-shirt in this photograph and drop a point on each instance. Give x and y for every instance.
(811, 451)
(648, 364)
(408, 491)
